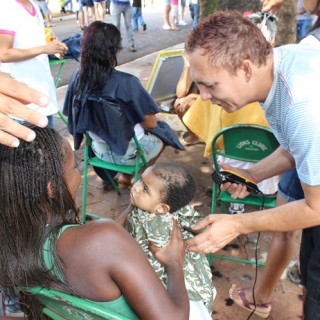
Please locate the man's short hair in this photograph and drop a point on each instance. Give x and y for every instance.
(229, 38)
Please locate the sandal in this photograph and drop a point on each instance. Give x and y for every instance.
(239, 297)
(294, 275)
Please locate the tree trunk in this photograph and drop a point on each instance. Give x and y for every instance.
(207, 7)
(240, 5)
(286, 23)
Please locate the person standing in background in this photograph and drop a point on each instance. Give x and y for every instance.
(166, 15)
(195, 10)
(88, 10)
(24, 51)
(174, 15)
(100, 9)
(182, 12)
(46, 12)
(123, 7)
(303, 21)
(137, 16)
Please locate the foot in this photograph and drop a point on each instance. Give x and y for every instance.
(123, 180)
(135, 30)
(144, 27)
(132, 49)
(107, 186)
(236, 208)
(294, 275)
(182, 23)
(240, 297)
(166, 27)
(175, 28)
(190, 139)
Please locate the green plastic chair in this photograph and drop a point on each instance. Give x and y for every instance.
(62, 306)
(249, 143)
(61, 63)
(140, 163)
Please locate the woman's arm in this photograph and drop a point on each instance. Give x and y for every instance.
(10, 54)
(122, 218)
(103, 261)
(149, 122)
(145, 293)
(184, 83)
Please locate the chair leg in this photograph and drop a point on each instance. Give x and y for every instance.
(214, 198)
(113, 182)
(85, 185)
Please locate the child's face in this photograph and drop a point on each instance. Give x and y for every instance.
(145, 193)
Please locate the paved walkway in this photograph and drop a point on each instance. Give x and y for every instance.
(286, 304)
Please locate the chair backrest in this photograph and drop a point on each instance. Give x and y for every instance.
(244, 142)
(58, 305)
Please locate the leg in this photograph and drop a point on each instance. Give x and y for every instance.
(191, 137)
(166, 14)
(310, 265)
(195, 16)
(92, 13)
(127, 21)
(116, 16)
(85, 16)
(280, 251)
(81, 18)
(182, 12)
(97, 10)
(140, 18)
(134, 18)
(305, 27)
(174, 17)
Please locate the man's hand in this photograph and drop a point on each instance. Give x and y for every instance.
(237, 190)
(56, 47)
(221, 229)
(13, 97)
(271, 5)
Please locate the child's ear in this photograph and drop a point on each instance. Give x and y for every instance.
(163, 208)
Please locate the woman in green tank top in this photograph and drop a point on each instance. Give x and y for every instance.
(44, 244)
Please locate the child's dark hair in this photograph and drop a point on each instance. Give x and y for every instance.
(29, 212)
(179, 185)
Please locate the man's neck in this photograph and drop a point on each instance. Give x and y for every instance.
(265, 78)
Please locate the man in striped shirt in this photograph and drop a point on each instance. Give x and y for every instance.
(233, 65)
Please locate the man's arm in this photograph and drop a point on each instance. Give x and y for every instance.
(224, 228)
(13, 97)
(271, 5)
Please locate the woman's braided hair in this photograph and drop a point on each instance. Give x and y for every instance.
(29, 212)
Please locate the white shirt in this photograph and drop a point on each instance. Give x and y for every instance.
(27, 28)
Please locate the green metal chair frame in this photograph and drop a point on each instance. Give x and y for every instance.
(62, 306)
(244, 142)
(61, 63)
(140, 163)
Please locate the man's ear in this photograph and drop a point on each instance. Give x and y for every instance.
(163, 208)
(246, 68)
(50, 191)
